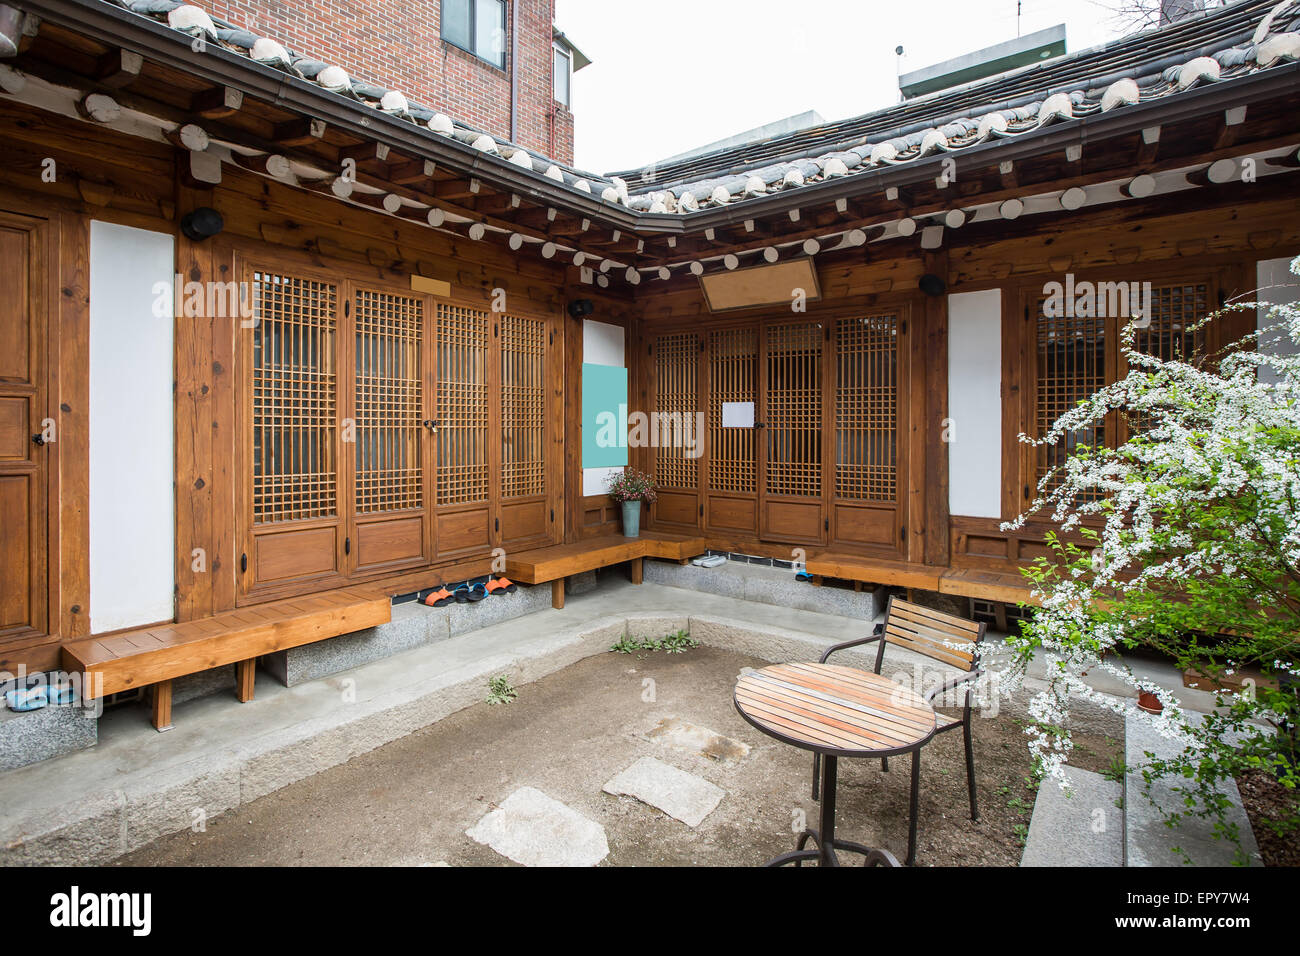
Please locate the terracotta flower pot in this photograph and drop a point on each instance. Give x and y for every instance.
(1150, 703)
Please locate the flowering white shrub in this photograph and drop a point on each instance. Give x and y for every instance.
(1184, 540)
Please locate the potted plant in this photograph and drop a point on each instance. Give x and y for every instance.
(631, 487)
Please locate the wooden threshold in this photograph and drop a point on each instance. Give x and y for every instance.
(129, 659)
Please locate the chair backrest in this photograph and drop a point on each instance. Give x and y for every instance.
(939, 636)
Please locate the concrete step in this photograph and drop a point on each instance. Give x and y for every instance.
(1083, 826)
(777, 587)
(1148, 841)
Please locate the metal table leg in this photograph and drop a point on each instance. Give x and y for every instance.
(824, 836)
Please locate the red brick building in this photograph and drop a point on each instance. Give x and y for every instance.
(461, 57)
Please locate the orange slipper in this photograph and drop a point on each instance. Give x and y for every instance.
(501, 586)
(438, 598)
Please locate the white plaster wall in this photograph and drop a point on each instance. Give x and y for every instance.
(975, 404)
(1277, 285)
(602, 344)
(132, 501)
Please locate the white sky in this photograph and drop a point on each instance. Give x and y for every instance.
(669, 75)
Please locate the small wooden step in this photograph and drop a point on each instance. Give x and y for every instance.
(848, 567)
(556, 563)
(987, 586)
(129, 659)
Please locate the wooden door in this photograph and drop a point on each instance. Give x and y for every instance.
(791, 500)
(731, 466)
(523, 509)
(388, 405)
(293, 500)
(464, 418)
(24, 464)
(863, 440)
(674, 403)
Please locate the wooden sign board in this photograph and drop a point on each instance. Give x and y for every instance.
(774, 284)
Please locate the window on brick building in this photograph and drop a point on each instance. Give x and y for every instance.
(477, 26)
(563, 76)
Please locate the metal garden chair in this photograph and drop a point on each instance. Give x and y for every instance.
(942, 637)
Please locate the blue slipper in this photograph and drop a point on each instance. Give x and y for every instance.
(33, 698)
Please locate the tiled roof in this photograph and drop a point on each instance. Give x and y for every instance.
(1233, 41)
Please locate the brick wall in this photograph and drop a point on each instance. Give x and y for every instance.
(398, 44)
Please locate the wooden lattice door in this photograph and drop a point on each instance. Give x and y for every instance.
(388, 410)
(24, 464)
(791, 499)
(674, 404)
(524, 508)
(465, 419)
(731, 505)
(866, 504)
(293, 505)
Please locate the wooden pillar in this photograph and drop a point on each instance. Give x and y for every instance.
(162, 706)
(935, 547)
(245, 675)
(557, 593)
(636, 570)
(70, 492)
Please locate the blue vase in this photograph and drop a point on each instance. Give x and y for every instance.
(631, 519)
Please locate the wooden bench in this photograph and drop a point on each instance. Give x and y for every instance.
(556, 563)
(156, 655)
(1004, 587)
(874, 571)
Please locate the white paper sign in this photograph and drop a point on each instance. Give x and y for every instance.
(737, 414)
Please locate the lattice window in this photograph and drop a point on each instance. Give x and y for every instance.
(676, 360)
(733, 377)
(389, 402)
(866, 408)
(1175, 310)
(295, 399)
(1071, 356)
(1171, 334)
(794, 410)
(462, 405)
(523, 407)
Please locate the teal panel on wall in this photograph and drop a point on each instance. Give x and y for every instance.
(604, 416)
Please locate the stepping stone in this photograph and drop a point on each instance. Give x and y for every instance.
(1148, 842)
(693, 739)
(532, 829)
(681, 795)
(1082, 827)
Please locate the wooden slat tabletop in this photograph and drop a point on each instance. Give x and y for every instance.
(834, 709)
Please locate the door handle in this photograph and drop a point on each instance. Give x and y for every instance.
(38, 439)
(347, 545)
(431, 424)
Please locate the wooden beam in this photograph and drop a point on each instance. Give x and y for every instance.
(118, 69)
(218, 102)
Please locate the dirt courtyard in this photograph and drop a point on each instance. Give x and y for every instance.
(409, 803)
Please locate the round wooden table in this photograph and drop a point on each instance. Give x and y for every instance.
(837, 712)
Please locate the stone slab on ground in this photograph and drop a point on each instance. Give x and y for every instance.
(701, 741)
(681, 795)
(1083, 826)
(533, 829)
(1148, 841)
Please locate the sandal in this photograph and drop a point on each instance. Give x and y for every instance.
(501, 586)
(439, 598)
(470, 593)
